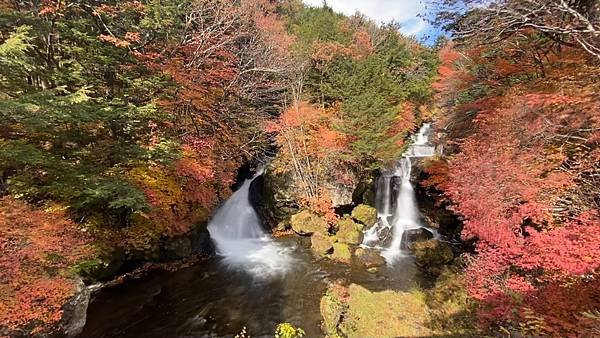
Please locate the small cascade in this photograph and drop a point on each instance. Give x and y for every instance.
(240, 239)
(395, 192)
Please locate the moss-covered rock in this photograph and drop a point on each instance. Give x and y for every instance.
(452, 311)
(365, 215)
(369, 258)
(333, 307)
(341, 253)
(307, 223)
(280, 194)
(349, 231)
(358, 312)
(432, 255)
(321, 244)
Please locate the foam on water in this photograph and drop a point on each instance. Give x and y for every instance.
(240, 239)
(395, 191)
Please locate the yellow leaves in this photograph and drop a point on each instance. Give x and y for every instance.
(161, 187)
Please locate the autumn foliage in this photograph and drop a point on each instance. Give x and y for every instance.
(37, 250)
(311, 149)
(521, 177)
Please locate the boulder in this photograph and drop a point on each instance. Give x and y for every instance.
(369, 258)
(279, 194)
(321, 244)
(75, 311)
(341, 194)
(412, 236)
(365, 215)
(306, 223)
(358, 312)
(341, 253)
(432, 255)
(333, 307)
(364, 192)
(349, 231)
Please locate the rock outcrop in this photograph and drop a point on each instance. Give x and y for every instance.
(321, 244)
(307, 223)
(349, 232)
(75, 311)
(364, 214)
(432, 256)
(357, 312)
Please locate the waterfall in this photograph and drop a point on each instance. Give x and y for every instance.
(240, 239)
(395, 191)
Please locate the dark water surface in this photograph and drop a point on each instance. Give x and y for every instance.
(210, 300)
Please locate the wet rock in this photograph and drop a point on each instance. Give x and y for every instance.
(341, 253)
(364, 192)
(358, 312)
(432, 255)
(321, 244)
(101, 267)
(306, 223)
(365, 215)
(341, 194)
(75, 311)
(349, 231)
(369, 258)
(416, 235)
(279, 195)
(178, 248)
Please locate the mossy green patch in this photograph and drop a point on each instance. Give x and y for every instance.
(452, 311)
(432, 255)
(365, 214)
(341, 253)
(349, 231)
(332, 308)
(307, 223)
(321, 244)
(358, 312)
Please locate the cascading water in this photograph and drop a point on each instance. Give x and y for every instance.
(394, 190)
(240, 239)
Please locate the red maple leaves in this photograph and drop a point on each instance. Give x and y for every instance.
(520, 154)
(37, 249)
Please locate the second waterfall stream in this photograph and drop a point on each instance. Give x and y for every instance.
(240, 239)
(397, 208)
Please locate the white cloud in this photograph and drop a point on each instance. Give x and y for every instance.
(402, 11)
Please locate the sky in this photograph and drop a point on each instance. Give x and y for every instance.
(402, 11)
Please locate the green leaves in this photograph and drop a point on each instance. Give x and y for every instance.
(13, 51)
(75, 112)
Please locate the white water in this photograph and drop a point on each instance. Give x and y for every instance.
(240, 239)
(395, 189)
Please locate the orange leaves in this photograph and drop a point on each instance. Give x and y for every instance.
(191, 167)
(362, 44)
(50, 7)
(115, 41)
(310, 148)
(309, 127)
(322, 205)
(133, 37)
(361, 48)
(37, 249)
(449, 73)
(404, 122)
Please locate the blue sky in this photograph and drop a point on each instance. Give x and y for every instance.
(402, 11)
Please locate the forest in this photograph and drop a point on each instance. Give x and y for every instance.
(343, 177)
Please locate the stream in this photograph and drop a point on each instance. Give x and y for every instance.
(212, 300)
(256, 281)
